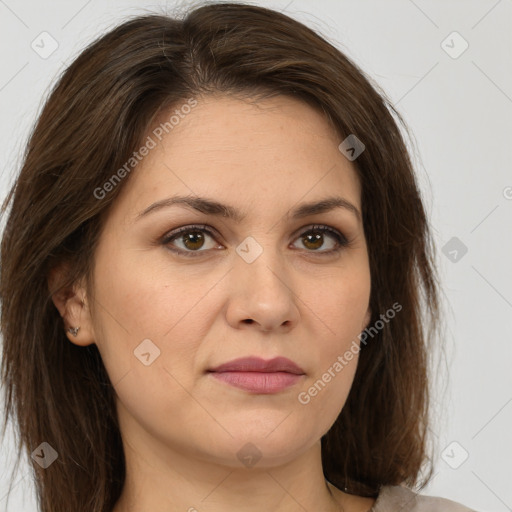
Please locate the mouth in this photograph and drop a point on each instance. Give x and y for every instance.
(259, 376)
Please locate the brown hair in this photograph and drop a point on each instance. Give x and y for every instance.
(94, 119)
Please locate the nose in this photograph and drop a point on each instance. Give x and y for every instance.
(262, 295)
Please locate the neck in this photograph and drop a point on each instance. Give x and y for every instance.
(171, 481)
(161, 477)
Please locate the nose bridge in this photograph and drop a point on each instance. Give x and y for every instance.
(261, 265)
(266, 295)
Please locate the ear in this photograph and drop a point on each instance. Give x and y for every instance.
(72, 303)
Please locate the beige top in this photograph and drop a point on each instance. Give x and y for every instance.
(402, 499)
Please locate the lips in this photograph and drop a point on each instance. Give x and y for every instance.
(259, 375)
(256, 364)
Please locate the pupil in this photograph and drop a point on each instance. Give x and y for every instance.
(195, 238)
(315, 240)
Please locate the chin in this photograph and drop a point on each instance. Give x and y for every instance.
(261, 448)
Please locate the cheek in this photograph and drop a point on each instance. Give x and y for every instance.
(153, 302)
(139, 297)
(148, 343)
(340, 313)
(325, 392)
(341, 306)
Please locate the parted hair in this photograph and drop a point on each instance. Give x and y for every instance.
(97, 114)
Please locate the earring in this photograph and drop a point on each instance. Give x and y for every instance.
(74, 330)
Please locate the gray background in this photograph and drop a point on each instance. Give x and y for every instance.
(458, 105)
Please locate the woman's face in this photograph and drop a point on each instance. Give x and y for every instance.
(262, 283)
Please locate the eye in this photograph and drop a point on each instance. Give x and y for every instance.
(314, 238)
(192, 240)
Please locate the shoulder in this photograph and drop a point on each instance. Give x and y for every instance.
(403, 499)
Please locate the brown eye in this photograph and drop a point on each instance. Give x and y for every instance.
(193, 240)
(314, 239)
(190, 240)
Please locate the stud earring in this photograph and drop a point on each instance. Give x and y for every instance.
(74, 330)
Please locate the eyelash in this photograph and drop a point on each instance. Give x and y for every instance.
(341, 240)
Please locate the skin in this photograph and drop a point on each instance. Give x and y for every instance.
(181, 428)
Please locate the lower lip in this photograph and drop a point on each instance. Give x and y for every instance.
(259, 382)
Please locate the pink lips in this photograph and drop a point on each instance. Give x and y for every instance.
(258, 375)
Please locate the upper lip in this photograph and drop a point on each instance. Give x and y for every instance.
(257, 364)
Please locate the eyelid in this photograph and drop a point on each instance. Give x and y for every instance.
(341, 239)
(166, 239)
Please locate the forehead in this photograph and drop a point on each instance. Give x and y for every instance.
(265, 155)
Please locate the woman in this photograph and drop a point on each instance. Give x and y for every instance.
(214, 273)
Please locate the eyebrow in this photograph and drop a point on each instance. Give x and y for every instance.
(211, 207)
